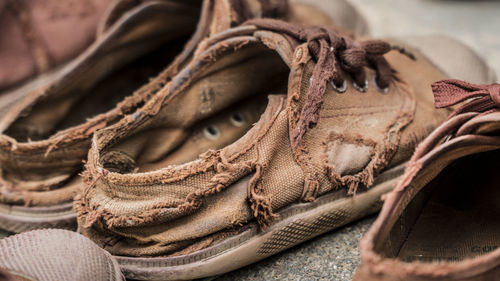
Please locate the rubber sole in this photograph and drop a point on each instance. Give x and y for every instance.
(19, 219)
(296, 224)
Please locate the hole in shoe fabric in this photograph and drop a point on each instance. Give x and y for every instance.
(454, 217)
(339, 150)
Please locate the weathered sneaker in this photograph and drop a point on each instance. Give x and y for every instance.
(55, 254)
(46, 136)
(344, 117)
(441, 221)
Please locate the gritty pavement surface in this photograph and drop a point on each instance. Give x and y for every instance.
(334, 256)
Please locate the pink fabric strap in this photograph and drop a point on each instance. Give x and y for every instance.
(450, 92)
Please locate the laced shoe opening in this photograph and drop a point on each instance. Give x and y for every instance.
(454, 217)
(219, 107)
(212, 133)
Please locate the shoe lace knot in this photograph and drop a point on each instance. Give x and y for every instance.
(337, 55)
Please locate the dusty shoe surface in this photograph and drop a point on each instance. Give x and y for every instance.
(343, 118)
(55, 254)
(45, 135)
(440, 222)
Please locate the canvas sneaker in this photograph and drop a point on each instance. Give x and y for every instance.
(440, 222)
(341, 117)
(46, 135)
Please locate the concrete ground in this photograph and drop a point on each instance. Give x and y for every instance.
(334, 256)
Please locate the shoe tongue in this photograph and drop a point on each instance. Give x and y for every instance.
(233, 77)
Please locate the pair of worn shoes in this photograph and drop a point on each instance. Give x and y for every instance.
(259, 135)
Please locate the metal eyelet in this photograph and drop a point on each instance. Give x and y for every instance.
(382, 90)
(359, 88)
(237, 119)
(211, 132)
(340, 89)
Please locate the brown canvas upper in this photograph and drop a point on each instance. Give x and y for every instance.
(46, 135)
(447, 201)
(311, 139)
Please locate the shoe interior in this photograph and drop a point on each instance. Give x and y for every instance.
(89, 96)
(216, 109)
(454, 217)
(106, 80)
(214, 132)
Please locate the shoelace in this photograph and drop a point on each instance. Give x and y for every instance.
(336, 55)
(483, 99)
(450, 92)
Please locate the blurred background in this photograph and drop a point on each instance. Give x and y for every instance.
(474, 22)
